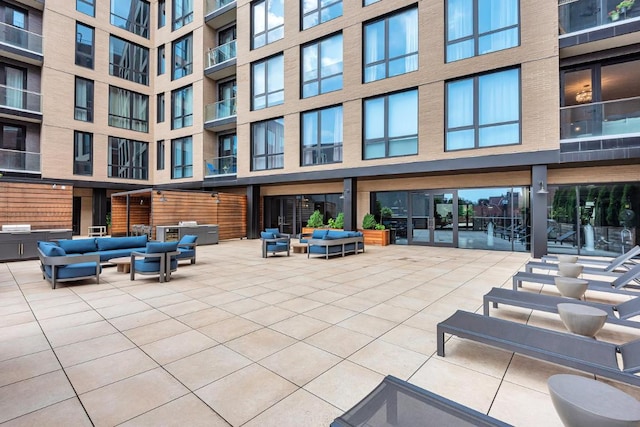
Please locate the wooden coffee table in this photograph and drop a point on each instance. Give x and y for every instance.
(299, 248)
(123, 264)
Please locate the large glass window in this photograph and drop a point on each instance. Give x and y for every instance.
(131, 15)
(13, 155)
(86, 6)
(128, 110)
(83, 100)
(15, 81)
(182, 158)
(600, 219)
(182, 57)
(322, 136)
(483, 111)
(128, 159)
(84, 45)
(322, 66)
(316, 12)
(83, 153)
(128, 60)
(182, 13)
(267, 145)
(267, 22)
(391, 125)
(476, 27)
(391, 45)
(182, 107)
(267, 82)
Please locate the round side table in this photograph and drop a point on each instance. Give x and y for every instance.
(584, 402)
(582, 319)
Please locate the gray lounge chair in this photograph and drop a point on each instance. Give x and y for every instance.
(568, 236)
(625, 257)
(621, 285)
(623, 262)
(549, 304)
(574, 351)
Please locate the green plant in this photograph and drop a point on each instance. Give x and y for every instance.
(379, 227)
(338, 222)
(386, 212)
(108, 220)
(369, 222)
(315, 220)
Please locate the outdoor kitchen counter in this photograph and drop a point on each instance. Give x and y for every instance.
(20, 245)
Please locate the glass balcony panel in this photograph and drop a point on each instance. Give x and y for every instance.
(20, 99)
(19, 161)
(220, 110)
(221, 54)
(213, 5)
(226, 165)
(574, 16)
(22, 39)
(601, 119)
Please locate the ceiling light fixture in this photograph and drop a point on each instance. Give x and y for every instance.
(585, 95)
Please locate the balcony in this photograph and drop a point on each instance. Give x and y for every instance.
(19, 161)
(20, 104)
(602, 19)
(219, 13)
(220, 115)
(21, 44)
(220, 166)
(220, 62)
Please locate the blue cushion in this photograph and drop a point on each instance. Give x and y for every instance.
(78, 246)
(150, 266)
(338, 234)
(319, 233)
(267, 235)
(51, 249)
(275, 231)
(111, 243)
(186, 253)
(159, 248)
(277, 247)
(73, 270)
(187, 238)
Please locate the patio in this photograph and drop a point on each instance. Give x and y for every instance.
(245, 341)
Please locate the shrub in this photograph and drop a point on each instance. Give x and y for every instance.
(369, 222)
(338, 222)
(379, 227)
(315, 220)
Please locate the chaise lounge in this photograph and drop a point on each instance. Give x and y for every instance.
(549, 304)
(613, 268)
(621, 285)
(574, 351)
(625, 257)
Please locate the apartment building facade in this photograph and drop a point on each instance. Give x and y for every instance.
(503, 125)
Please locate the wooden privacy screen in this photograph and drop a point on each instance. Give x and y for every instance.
(40, 205)
(171, 207)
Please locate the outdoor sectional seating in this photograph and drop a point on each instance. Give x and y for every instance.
(105, 247)
(328, 242)
(57, 266)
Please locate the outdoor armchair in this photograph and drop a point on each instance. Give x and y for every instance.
(187, 248)
(159, 258)
(57, 266)
(273, 241)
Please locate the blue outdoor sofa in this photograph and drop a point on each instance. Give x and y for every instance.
(57, 266)
(328, 242)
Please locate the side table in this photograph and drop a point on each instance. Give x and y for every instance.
(299, 248)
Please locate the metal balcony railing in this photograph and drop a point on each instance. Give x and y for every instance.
(220, 110)
(19, 161)
(226, 165)
(600, 119)
(20, 99)
(213, 5)
(22, 39)
(575, 16)
(221, 54)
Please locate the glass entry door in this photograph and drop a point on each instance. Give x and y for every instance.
(280, 213)
(433, 218)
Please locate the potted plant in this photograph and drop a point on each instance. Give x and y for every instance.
(374, 233)
(316, 220)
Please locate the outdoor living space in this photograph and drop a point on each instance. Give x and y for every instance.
(241, 340)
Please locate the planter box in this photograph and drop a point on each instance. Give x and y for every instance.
(376, 237)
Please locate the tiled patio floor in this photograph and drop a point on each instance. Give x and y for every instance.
(244, 341)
